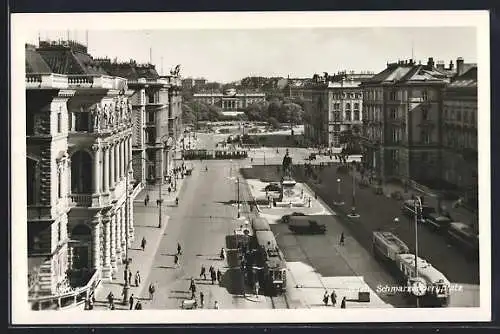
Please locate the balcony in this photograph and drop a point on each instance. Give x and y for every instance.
(46, 81)
(53, 80)
(81, 200)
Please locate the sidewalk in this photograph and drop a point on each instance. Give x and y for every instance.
(141, 260)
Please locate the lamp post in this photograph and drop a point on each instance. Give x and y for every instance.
(126, 287)
(339, 199)
(418, 209)
(238, 194)
(160, 199)
(353, 213)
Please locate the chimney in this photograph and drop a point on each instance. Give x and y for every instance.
(430, 62)
(460, 65)
(451, 65)
(440, 65)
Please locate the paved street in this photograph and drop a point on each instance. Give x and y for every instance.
(201, 222)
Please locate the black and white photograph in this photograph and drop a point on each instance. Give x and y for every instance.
(250, 167)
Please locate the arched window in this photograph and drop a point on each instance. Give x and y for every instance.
(32, 172)
(356, 106)
(81, 173)
(348, 106)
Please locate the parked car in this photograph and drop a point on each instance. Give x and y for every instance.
(286, 218)
(408, 209)
(306, 225)
(273, 187)
(464, 237)
(437, 221)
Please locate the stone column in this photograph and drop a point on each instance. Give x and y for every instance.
(113, 242)
(106, 268)
(97, 173)
(106, 169)
(117, 161)
(96, 242)
(124, 162)
(123, 229)
(131, 219)
(112, 166)
(118, 239)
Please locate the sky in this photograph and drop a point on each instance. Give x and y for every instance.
(230, 55)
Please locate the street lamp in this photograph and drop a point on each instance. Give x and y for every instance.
(353, 213)
(126, 287)
(339, 199)
(418, 210)
(160, 200)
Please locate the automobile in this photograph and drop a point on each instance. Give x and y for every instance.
(464, 237)
(408, 209)
(312, 156)
(286, 218)
(437, 221)
(306, 225)
(273, 187)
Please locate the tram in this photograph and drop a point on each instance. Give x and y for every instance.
(426, 283)
(271, 265)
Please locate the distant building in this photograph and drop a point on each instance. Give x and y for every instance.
(402, 108)
(460, 145)
(78, 141)
(157, 114)
(230, 99)
(187, 83)
(200, 82)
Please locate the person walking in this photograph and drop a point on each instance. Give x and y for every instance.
(130, 277)
(176, 260)
(222, 254)
(219, 276)
(216, 305)
(111, 299)
(203, 272)
(143, 243)
(131, 301)
(179, 249)
(146, 200)
(202, 298)
(125, 276)
(151, 291)
(333, 297)
(342, 303)
(342, 239)
(325, 298)
(137, 278)
(213, 276)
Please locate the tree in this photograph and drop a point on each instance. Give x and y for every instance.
(274, 122)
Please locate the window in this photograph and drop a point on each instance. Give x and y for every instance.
(395, 135)
(59, 122)
(348, 106)
(337, 116)
(425, 95)
(472, 117)
(356, 106)
(459, 116)
(151, 117)
(425, 137)
(393, 113)
(425, 114)
(59, 183)
(82, 121)
(151, 97)
(356, 115)
(348, 115)
(392, 96)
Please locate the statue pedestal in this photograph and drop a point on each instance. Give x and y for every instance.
(290, 196)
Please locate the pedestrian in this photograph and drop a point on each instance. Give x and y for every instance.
(342, 239)
(111, 299)
(158, 202)
(222, 254)
(216, 305)
(213, 277)
(325, 298)
(151, 291)
(137, 278)
(219, 276)
(125, 276)
(333, 297)
(131, 301)
(146, 200)
(130, 277)
(203, 273)
(202, 298)
(342, 303)
(143, 243)
(176, 260)
(179, 249)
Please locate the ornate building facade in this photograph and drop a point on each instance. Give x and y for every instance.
(157, 118)
(460, 145)
(79, 140)
(230, 99)
(402, 123)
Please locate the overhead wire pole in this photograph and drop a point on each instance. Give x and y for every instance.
(160, 199)
(418, 209)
